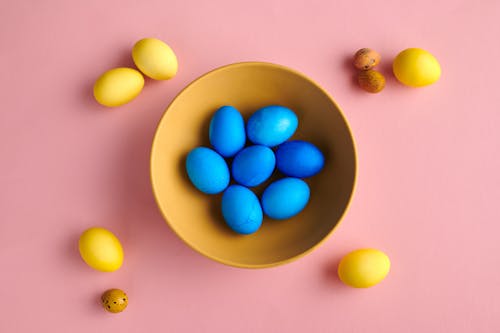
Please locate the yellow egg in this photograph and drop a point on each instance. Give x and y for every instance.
(416, 67)
(100, 249)
(155, 59)
(118, 86)
(364, 268)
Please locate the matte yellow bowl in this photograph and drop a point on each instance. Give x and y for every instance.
(197, 218)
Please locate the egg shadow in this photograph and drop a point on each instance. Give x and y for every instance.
(217, 217)
(347, 63)
(70, 250)
(94, 304)
(204, 131)
(145, 228)
(349, 68)
(330, 275)
(390, 80)
(87, 95)
(181, 168)
(124, 58)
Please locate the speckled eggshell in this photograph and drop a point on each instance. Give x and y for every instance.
(114, 300)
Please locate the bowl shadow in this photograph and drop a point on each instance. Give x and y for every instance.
(144, 223)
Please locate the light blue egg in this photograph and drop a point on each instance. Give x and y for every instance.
(241, 209)
(227, 131)
(253, 165)
(207, 170)
(271, 125)
(285, 198)
(299, 159)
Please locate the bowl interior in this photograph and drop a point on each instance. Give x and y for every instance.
(197, 219)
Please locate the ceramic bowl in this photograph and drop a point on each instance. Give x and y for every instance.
(197, 218)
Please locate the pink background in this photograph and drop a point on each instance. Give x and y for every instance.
(428, 185)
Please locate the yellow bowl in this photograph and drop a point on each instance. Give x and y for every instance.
(197, 218)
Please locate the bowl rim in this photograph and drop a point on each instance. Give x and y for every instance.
(230, 262)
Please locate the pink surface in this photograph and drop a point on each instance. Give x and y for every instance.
(428, 168)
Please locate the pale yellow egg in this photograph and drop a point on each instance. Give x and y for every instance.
(155, 59)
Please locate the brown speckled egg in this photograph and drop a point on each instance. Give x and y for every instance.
(371, 81)
(366, 59)
(114, 300)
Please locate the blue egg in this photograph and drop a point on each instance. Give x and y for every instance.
(271, 125)
(207, 170)
(285, 198)
(299, 159)
(253, 165)
(241, 209)
(227, 131)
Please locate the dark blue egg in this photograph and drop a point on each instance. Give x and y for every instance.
(253, 165)
(299, 159)
(285, 198)
(271, 125)
(241, 209)
(227, 131)
(207, 170)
